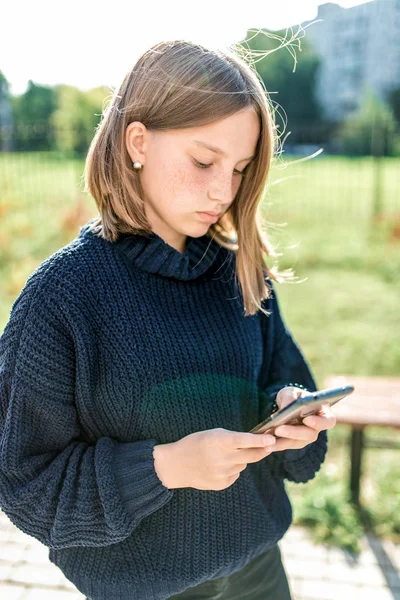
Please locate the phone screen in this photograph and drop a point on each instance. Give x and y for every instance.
(308, 404)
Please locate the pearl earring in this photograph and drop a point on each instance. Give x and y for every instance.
(137, 165)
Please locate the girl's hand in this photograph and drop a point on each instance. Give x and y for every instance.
(211, 459)
(299, 436)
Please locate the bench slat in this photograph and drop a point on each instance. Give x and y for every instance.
(375, 400)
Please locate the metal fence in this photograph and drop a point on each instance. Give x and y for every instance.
(41, 166)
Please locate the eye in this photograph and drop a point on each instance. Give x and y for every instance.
(204, 166)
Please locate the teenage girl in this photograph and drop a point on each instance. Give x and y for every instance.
(138, 357)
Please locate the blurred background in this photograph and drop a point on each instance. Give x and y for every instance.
(332, 207)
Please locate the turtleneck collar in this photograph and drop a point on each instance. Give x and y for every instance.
(149, 252)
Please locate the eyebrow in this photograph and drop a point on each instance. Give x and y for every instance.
(217, 150)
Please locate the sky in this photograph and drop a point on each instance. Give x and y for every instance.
(87, 44)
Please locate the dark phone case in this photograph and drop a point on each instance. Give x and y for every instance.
(295, 412)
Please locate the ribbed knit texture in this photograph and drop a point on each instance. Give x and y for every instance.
(110, 349)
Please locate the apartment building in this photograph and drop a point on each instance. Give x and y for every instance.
(358, 47)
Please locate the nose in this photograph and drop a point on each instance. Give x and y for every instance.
(223, 190)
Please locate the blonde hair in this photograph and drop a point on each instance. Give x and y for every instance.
(179, 84)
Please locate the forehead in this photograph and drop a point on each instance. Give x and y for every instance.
(216, 149)
(237, 133)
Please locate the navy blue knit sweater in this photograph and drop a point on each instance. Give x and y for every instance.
(110, 349)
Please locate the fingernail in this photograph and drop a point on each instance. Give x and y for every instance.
(311, 421)
(281, 431)
(269, 440)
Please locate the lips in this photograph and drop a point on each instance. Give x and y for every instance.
(208, 217)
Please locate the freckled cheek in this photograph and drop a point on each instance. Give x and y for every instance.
(183, 183)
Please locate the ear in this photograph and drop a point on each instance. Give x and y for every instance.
(136, 139)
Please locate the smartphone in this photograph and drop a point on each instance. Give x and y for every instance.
(308, 404)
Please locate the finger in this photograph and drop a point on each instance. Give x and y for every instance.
(251, 440)
(320, 422)
(325, 411)
(297, 432)
(252, 455)
(286, 444)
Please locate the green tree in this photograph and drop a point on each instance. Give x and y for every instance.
(275, 58)
(5, 115)
(76, 117)
(394, 102)
(32, 112)
(369, 130)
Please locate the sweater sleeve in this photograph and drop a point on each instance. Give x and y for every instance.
(285, 363)
(54, 485)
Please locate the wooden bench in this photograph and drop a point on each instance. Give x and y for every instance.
(375, 401)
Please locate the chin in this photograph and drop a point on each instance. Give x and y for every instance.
(201, 230)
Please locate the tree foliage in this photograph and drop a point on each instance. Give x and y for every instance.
(394, 102)
(61, 118)
(32, 111)
(76, 117)
(288, 78)
(370, 130)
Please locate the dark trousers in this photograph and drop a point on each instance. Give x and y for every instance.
(264, 578)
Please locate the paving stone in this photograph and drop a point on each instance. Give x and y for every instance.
(20, 537)
(305, 569)
(5, 570)
(31, 542)
(392, 578)
(6, 526)
(43, 594)
(327, 590)
(11, 552)
(11, 592)
(383, 593)
(3, 518)
(365, 558)
(338, 554)
(37, 554)
(306, 550)
(6, 536)
(295, 533)
(296, 587)
(386, 552)
(35, 575)
(66, 583)
(368, 576)
(393, 553)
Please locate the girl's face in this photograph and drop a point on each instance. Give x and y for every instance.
(181, 177)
